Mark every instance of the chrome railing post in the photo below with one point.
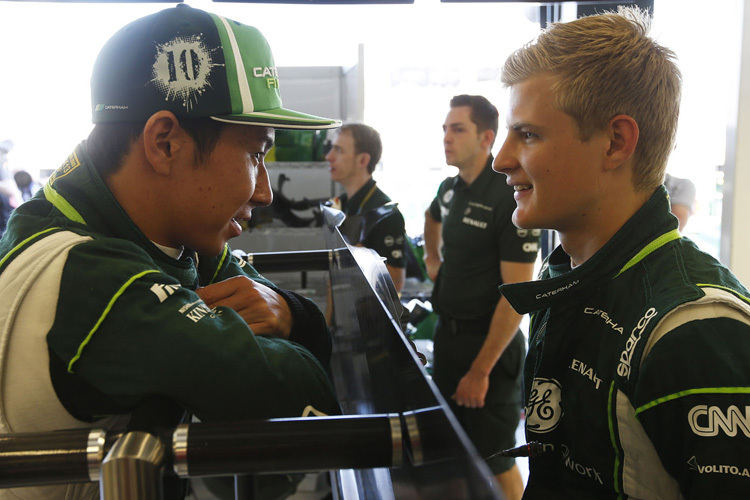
(132, 470)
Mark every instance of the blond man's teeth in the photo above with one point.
(521, 187)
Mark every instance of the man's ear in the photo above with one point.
(163, 138)
(623, 137)
(363, 159)
(487, 138)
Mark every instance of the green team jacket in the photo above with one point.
(637, 379)
(122, 321)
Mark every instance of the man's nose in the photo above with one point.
(504, 160)
(263, 194)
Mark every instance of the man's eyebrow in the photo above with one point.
(452, 125)
(519, 125)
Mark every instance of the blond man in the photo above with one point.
(637, 381)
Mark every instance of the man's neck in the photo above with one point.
(583, 242)
(353, 185)
(470, 171)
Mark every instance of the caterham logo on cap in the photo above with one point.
(103, 107)
(182, 69)
(263, 72)
(271, 74)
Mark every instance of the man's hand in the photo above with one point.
(472, 389)
(265, 311)
(432, 263)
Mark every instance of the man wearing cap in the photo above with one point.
(472, 247)
(355, 152)
(116, 281)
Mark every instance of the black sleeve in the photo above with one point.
(435, 210)
(388, 239)
(309, 328)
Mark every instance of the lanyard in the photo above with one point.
(366, 198)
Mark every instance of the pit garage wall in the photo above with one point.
(735, 224)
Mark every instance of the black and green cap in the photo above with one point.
(194, 64)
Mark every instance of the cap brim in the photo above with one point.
(281, 118)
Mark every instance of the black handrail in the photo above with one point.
(301, 260)
(69, 456)
(204, 449)
(288, 445)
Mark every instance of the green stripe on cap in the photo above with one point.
(251, 74)
(253, 81)
(228, 46)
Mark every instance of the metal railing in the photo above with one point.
(130, 465)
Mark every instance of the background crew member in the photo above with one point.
(478, 346)
(355, 152)
(637, 379)
(116, 281)
(681, 197)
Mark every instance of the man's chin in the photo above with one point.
(522, 220)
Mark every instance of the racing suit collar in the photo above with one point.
(649, 228)
(77, 190)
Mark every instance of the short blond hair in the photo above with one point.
(603, 66)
